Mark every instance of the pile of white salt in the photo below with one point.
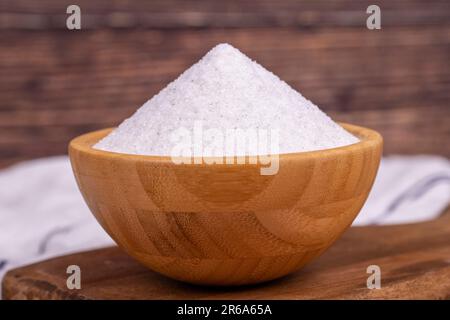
(224, 90)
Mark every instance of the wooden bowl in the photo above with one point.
(226, 224)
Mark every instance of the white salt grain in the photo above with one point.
(225, 90)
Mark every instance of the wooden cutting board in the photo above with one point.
(414, 261)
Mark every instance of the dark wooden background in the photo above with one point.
(56, 84)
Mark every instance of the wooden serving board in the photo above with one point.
(414, 261)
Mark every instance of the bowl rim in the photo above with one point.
(369, 139)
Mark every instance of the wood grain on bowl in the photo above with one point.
(166, 216)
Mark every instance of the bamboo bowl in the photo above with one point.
(226, 224)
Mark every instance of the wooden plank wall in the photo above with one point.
(56, 84)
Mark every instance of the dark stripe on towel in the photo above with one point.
(48, 237)
(416, 191)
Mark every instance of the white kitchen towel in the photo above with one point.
(43, 215)
(407, 189)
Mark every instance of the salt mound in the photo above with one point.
(226, 90)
